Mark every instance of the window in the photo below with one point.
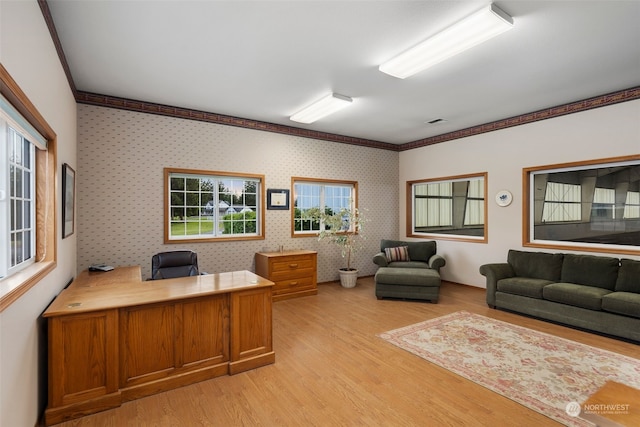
(603, 207)
(328, 195)
(17, 197)
(447, 208)
(591, 206)
(28, 200)
(632, 205)
(203, 205)
(561, 203)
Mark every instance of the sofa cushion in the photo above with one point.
(590, 270)
(628, 276)
(418, 251)
(524, 286)
(627, 303)
(577, 295)
(537, 265)
(399, 253)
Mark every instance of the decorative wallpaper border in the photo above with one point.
(547, 113)
(203, 116)
(185, 113)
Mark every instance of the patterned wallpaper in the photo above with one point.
(121, 156)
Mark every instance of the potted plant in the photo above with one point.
(343, 228)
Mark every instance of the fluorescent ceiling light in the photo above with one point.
(321, 108)
(486, 23)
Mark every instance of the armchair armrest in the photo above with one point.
(380, 259)
(437, 262)
(493, 273)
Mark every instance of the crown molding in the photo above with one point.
(547, 113)
(203, 116)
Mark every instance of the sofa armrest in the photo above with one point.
(380, 259)
(493, 273)
(437, 262)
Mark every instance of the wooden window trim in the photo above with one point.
(458, 238)
(16, 285)
(527, 202)
(295, 179)
(262, 195)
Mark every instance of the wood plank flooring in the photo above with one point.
(332, 370)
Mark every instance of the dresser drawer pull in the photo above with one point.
(293, 283)
(293, 265)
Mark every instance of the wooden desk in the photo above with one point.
(613, 405)
(114, 338)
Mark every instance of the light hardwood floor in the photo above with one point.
(332, 370)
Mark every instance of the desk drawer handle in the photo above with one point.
(293, 265)
(293, 283)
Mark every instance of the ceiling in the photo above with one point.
(264, 60)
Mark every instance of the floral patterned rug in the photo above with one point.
(545, 373)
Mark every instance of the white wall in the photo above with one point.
(28, 54)
(599, 133)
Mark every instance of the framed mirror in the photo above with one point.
(448, 208)
(591, 205)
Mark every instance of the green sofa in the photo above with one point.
(596, 293)
(417, 277)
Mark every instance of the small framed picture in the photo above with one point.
(278, 199)
(68, 200)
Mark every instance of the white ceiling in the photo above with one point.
(265, 60)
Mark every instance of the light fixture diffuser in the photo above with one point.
(482, 25)
(321, 108)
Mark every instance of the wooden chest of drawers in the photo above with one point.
(293, 272)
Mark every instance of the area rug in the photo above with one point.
(540, 371)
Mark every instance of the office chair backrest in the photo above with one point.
(167, 265)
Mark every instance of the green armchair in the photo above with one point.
(408, 270)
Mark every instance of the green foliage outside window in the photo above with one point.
(239, 223)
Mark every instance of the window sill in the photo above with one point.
(13, 287)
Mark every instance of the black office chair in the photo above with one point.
(167, 265)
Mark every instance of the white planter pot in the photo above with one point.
(348, 279)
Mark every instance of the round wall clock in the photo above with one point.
(504, 198)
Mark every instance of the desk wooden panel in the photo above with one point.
(114, 338)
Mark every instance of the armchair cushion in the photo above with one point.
(399, 253)
(408, 264)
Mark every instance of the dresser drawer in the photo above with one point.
(296, 285)
(292, 263)
(293, 272)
